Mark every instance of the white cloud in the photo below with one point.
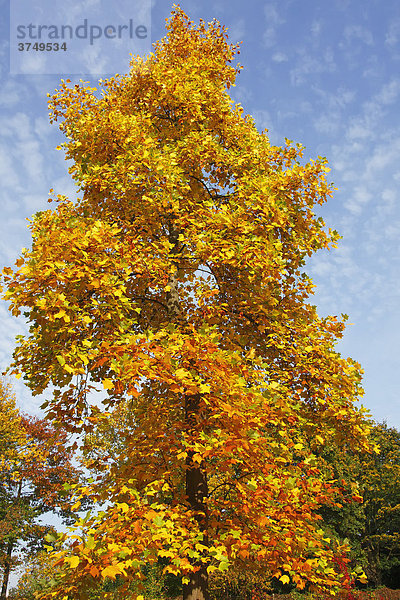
(333, 105)
(8, 174)
(393, 34)
(382, 156)
(310, 64)
(361, 279)
(42, 128)
(353, 46)
(4, 49)
(25, 151)
(272, 14)
(316, 28)
(358, 32)
(32, 203)
(389, 93)
(358, 131)
(279, 57)
(33, 63)
(273, 17)
(360, 197)
(11, 92)
(237, 31)
(93, 60)
(264, 121)
(372, 67)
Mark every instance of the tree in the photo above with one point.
(367, 512)
(379, 482)
(37, 574)
(11, 441)
(345, 519)
(40, 574)
(35, 463)
(176, 284)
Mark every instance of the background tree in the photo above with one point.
(35, 464)
(38, 572)
(176, 283)
(379, 481)
(366, 513)
(345, 518)
(12, 440)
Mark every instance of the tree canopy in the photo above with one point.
(34, 465)
(174, 285)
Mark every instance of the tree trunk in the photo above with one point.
(196, 492)
(7, 569)
(195, 475)
(197, 589)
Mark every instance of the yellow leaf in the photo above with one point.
(90, 542)
(166, 553)
(111, 571)
(204, 388)
(376, 448)
(107, 384)
(200, 547)
(182, 373)
(73, 561)
(60, 359)
(83, 358)
(284, 579)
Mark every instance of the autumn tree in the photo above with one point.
(38, 572)
(34, 465)
(175, 284)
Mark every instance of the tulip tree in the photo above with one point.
(174, 286)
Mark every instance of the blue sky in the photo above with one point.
(325, 74)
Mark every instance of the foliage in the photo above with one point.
(38, 573)
(35, 463)
(345, 518)
(366, 513)
(175, 287)
(379, 479)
